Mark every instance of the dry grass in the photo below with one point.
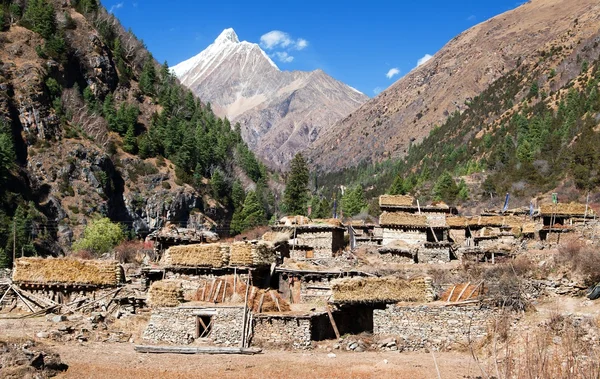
(372, 289)
(403, 219)
(276, 237)
(206, 255)
(396, 200)
(251, 254)
(66, 271)
(165, 293)
(564, 209)
(580, 260)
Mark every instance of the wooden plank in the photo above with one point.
(275, 300)
(196, 350)
(335, 329)
(243, 342)
(217, 292)
(463, 291)
(260, 303)
(204, 290)
(473, 291)
(224, 291)
(22, 299)
(451, 293)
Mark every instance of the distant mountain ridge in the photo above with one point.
(280, 112)
(405, 113)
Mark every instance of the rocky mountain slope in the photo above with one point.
(88, 128)
(280, 112)
(405, 113)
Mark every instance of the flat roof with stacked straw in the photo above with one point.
(380, 290)
(566, 209)
(403, 219)
(66, 271)
(259, 253)
(396, 201)
(165, 293)
(213, 255)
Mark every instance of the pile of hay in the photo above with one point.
(165, 293)
(271, 301)
(403, 219)
(530, 228)
(396, 200)
(205, 255)
(328, 221)
(259, 253)
(294, 220)
(457, 222)
(564, 209)
(379, 290)
(66, 271)
(276, 237)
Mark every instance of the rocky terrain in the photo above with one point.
(280, 112)
(405, 113)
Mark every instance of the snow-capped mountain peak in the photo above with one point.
(227, 35)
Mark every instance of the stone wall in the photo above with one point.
(411, 237)
(324, 243)
(420, 326)
(433, 254)
(398, 256)
(178, 325)
(315, 290)
(281, 331)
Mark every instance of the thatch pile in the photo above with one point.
(259, 253)
(261, 301)
(66, 271)
(379, 290)
(205, 255)
(276, 237)
(457, 222)
(294, 220)
(328, 221)
(165, 293)
(530, 228)
(564, 209)
(396, 200)
(403, 219)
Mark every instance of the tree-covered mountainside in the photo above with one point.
(91, 126)
(534, 130)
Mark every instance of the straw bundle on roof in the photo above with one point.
(276, 237)
(328, 221)
(402, 219)
(457, 222)
(386, 289)
(564, 209)
(396, 200)
(207, 255)
(259, 253)
(267, 301)
(165, 293)
(294, 220)
(66, 271)
(530, 228)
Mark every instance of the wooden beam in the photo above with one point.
(451, 293)
(473, 291)
(216, 296)
(21, 297)
(224, 291)
(260, 303)
(335, 329)
(463, 291)
(275, 300)
(196, 350)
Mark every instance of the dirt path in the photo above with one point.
(97, 360)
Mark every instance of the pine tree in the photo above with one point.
(39, 17)
(148, 77)
(129, 141)
(353, 201)
(238, 195)
(295, 195)
(7, 153)
(398, 187)
(253, 213)
(445, 188)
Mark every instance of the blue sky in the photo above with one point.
(366, 44)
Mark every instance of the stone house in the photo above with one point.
(364, 234)
(313, 239)
(560, 219)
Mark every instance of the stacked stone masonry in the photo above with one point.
(273, 331)
(421, 326)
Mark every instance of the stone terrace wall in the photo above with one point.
(275, 331)
(315, 291)
(419, 326)
(437, 254)
(410, 236)
(178, 325)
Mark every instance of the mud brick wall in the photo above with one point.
(433, 254)
(282, 332)
(419, 326)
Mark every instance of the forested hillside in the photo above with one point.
(91, 125)
(532, 131)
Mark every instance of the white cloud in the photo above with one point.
(376, 90)
(301, 43)
(283, 57)
(392, 72)
(423, 60)
(278, 39)
(115, 7)
(471, 17)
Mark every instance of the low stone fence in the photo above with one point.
(178, 325)
(434, 325)
(282, 331)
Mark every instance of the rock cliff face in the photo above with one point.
(406, 112)
(70, 166)
(280, 112)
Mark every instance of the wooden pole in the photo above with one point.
(335, 329)
(216, 296)
(235, 280)
(245, 310)
(22, 299)
(14, 242)
(463, 291)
